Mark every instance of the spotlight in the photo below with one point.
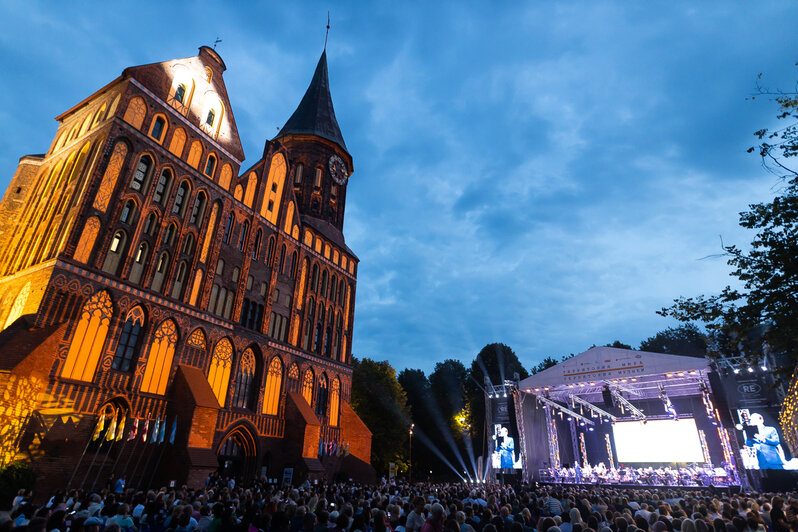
(750, 369)
(590, 429)
(736, 371)
(505, 395)
(764, 367)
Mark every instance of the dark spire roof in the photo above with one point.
(315, 114)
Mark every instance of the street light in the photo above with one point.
(410, 467)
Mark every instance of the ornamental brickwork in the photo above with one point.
(145, 287)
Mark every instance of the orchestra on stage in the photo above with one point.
(693, 475)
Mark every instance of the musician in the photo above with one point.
(767, 444)
(506, 449)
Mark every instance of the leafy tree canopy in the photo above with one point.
(763, 314)
(682, 340)
(380, 402)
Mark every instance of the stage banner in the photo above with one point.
(754, 407)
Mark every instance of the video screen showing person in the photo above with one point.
(504, 455)
(761, 437)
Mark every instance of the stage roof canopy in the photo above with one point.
(610, 363)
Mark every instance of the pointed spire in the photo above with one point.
(315, 114)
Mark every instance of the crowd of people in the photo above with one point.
(224, 506)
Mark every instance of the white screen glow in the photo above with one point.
(657, 441)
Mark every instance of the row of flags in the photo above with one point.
(333, 448)
(153, 430)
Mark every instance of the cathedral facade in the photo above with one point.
(166, 313)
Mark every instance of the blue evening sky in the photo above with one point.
(546, 174)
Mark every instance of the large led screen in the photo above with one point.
(663, 440)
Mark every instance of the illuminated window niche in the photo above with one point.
(86, 242)
(321, 397)
(335, 402)
(219, 370)
(110, 176)
(159, 361)
(270, 206)
(271, 392)
(181, 92)
(89, 338)
(210, 165)
(136, 112)
(178, 142)
(293, 378)
(307, 386)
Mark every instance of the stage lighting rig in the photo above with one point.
(636, 412)
(562, 409)
(592, 407)
(669, 408)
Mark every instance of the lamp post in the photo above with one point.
(410, 467)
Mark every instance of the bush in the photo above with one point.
(13, 477)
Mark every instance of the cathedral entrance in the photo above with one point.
(238, 454)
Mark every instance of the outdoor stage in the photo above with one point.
(608, 410)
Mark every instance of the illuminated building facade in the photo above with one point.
(146, 277)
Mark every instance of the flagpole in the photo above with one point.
(107, 454)
(157, 463)
(135, 446)
(144, 432)
(91, 465)
(86, 448)
(124, 442)
(155, 434)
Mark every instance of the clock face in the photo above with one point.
(338, 170)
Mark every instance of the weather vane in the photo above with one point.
(328, 30)
(218, 40)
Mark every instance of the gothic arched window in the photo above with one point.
(159, 362)
(89, 338)
(114, 256)
(198, 210)
(245, 380)
(256, 248)
(125, 354)
(335, 402)
(321, 397)
(141, 177)
(162, 187)
(307, 386)
(181, 198)
(228, 228)
(271, 392)
(219, 370)
(242, 240)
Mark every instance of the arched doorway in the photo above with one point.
(238, 454)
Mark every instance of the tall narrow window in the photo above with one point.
(271, 392)
(298, 175)
(163, 186)
(228, 228)
(270, 252)
(314, 278)
(86, 243)
(307, 386)
(317, 181)
(256, 247)
(188, 244)
(210, 117)
(281, 263)
(180, 93)
(319, 329)
(292, 265)
(210, 165)
(157, 128)
(219, 370)
(139, 263)
(245, 381)
(114, 256)
(170, 235)
(128, 215)
(125, 354)
(242, 239)
(198, 210)
(181, 198)
(88, 339)
(160, 271)
(328, 333)
(151, 224)
(142, 174)
(335, 402)
(180, 280)
(324, 277)
(159, 361)
(321, 397)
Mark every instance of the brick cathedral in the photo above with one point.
(150, 285)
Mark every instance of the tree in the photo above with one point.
(546, 363)
(417, 390)
(446, 383)
(380, 402)
(682, 340)
(764, 313)
(619, 345)
(496, 361)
